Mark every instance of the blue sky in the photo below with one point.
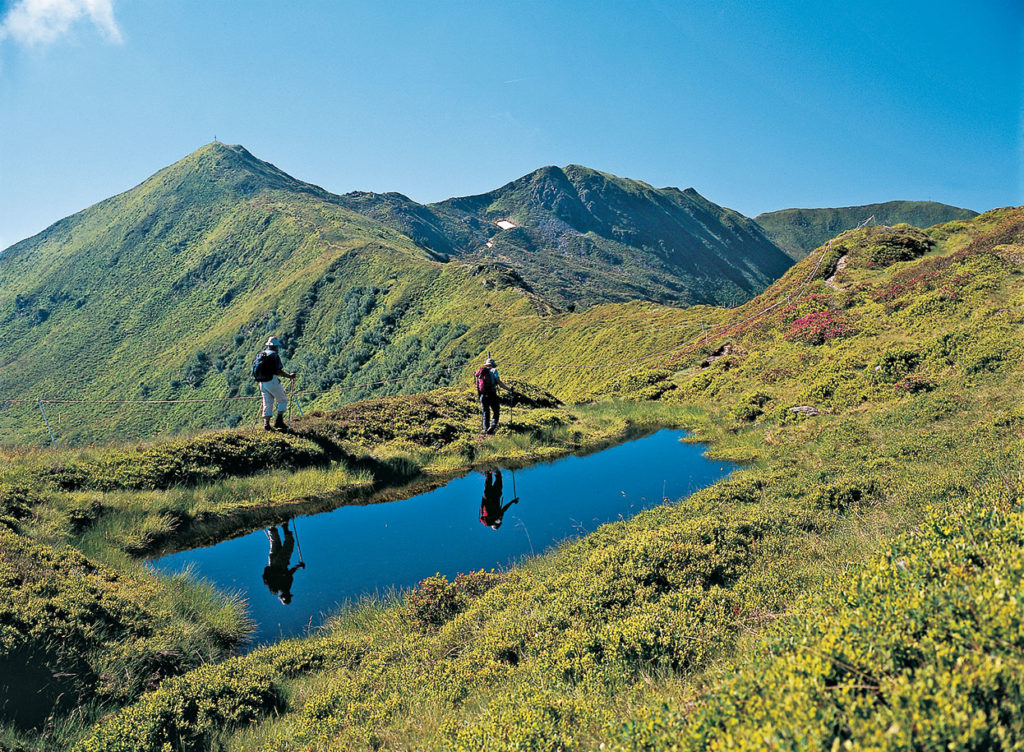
(759, 106)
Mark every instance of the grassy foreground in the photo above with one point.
(85, 627)
(857, 586)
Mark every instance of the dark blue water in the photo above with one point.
(359, 550)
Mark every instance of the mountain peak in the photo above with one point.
(567, 229)
(217, 153)
(233, 166)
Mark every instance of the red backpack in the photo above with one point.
(484, 381)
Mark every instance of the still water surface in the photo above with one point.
(470, 523)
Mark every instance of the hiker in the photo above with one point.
(265, 369)
(487, 383)
(277, 575)
(491, 510)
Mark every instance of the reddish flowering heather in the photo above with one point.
(806, 305)
(893, 295)
(819, 328)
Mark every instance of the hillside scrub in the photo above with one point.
(75, 634)
(679, 626)
(921, 649)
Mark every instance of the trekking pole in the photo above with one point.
(46, 421)
(297, 403)
(256, 418)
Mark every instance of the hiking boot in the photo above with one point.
(266, 426)
(279, 423)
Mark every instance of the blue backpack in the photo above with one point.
(263, 367)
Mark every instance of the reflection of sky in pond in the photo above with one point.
(358, 550)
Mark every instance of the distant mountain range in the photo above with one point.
(165, 291)
(800, 231)
(578, 237)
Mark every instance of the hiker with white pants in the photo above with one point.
(266, 369)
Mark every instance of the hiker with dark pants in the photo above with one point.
(265, 369)
(487, 383)
(277, 575)
(491, 510)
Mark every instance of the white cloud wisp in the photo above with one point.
(35, 22)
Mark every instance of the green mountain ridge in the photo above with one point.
(164, 292)
(798, 231)
(579, 236)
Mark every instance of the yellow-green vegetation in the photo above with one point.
(920, 649)
(76, 635)
(81, 636)
(857, 585)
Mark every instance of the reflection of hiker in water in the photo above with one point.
(491, 510)
(277, 576)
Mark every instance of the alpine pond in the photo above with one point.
(294, 574)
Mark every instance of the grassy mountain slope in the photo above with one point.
(429, 228)
(166, 292)
(798, 231)
(678, 627)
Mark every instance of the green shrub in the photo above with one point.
(73, 633)
(896, 363)
(435, 600)
(843, 496)
(888, 245)
(751, 406)
(186, 710)
(17, 502)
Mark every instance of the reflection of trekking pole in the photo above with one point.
(298, 545)
(515, 496)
